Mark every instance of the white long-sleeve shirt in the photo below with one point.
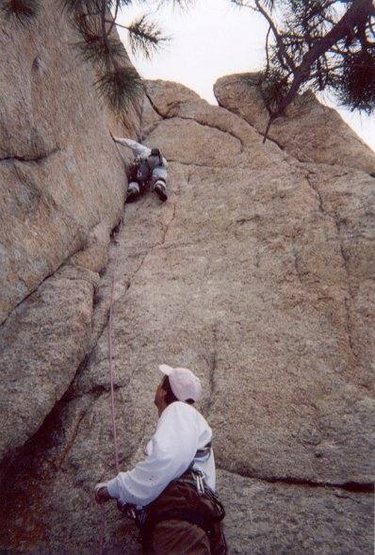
(180, 432)
(141, 152)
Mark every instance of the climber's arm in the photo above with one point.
(138, 149)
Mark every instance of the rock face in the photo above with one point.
(255, 274)
(61, 192)
(310, 131)
(56, 153)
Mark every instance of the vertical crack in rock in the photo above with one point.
(316, 191)
(348, 301)
(344, 255)
(59, 461)
(257, 259)
(165, 229)
(189, 176)
(336, 220)
(349, 328)
(132, 277)
(212, 367)
(297, 265)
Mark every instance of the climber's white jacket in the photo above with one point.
(181, 431)
(142, 152)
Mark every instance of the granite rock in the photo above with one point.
(60, 174)
(256, 274)
(310, 131)
(62, 188)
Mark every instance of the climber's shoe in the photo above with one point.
(161, 190)
(132, 196)
(133, 192)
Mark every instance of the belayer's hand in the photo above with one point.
(101, 493)
(127, 510)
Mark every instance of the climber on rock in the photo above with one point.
(172, 489)
(148, 171)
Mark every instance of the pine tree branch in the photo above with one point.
(113, 22)
(120, 87)
(358, 11)
(103, 11)
(320, 47)
(279, 42)
(267, 50)
(117, 24)
(145, 36)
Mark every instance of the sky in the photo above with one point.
(212, 39)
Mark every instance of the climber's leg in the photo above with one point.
(159, 183)
(161, 190)
(133, 192)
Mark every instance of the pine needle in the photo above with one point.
(145, 36)
(356, 89)
(22, 11)
(119, 88)
(102, 51)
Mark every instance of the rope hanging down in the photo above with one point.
(112, 373)
(110, 346)
(103, 528)
(111, 365)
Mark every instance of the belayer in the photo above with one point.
(171, 491)
(148, 171)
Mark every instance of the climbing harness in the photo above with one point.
(189, 499)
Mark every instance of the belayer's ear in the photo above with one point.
(163, 392)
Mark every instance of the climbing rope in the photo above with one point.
(112, 380)
(110, 345)
(111, 365)
(103, 527)
(110, 348)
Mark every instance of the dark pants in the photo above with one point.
(180, 521)
(141, 174)
(177, 537)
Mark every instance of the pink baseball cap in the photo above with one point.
(184, 384)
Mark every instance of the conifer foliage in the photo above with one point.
(20, 10)
(96, 20)
(318, 44)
